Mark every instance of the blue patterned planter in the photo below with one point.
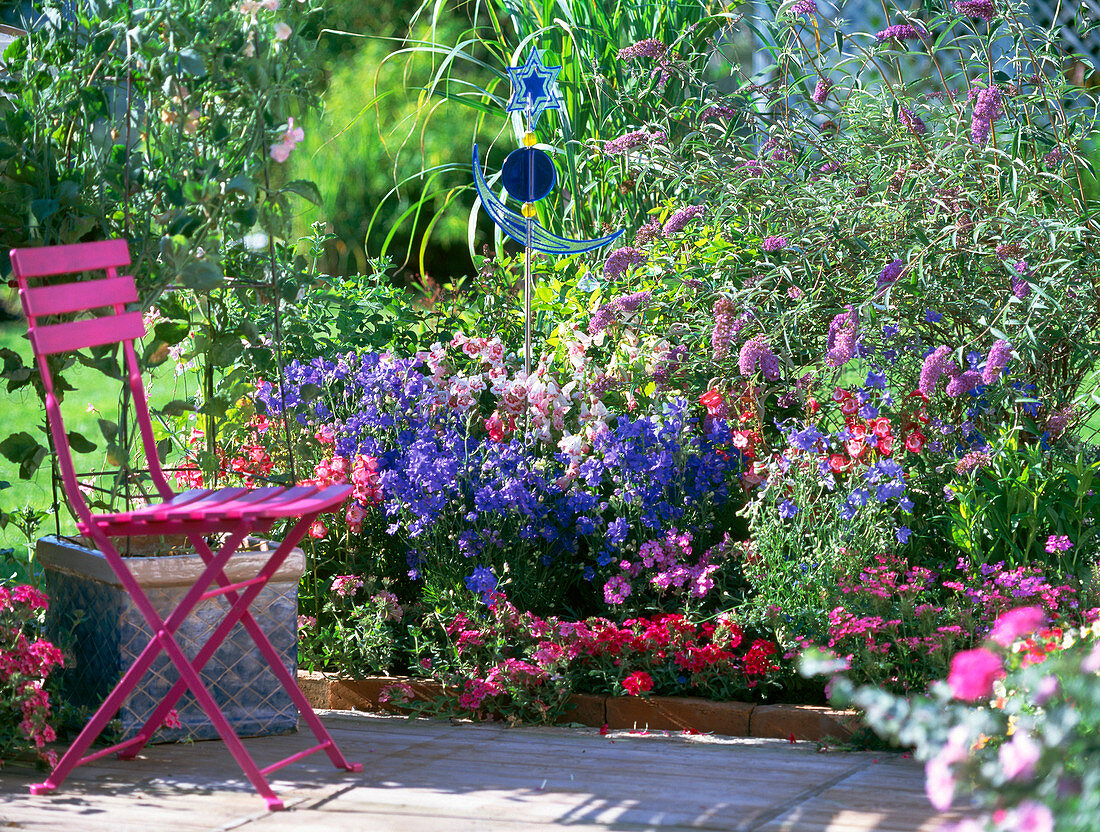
(96, 621)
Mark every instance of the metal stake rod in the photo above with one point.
(527, 261)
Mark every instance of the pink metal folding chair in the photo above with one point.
(235, 512)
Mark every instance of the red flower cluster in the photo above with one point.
(638, 682)
(25, 663)
(877, 434)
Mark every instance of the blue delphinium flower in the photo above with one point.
(483, 581)
(903, 533)
(787, 509)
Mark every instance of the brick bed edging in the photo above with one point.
(671, 713)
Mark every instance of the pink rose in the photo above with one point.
(972, 674)
(1011, 625)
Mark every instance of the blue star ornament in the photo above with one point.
(534, 88)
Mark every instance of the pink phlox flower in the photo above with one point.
(346, 585)
(973, 672)
(1010, 625)
(1058, 543)
(291, 138)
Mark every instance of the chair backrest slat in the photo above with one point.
(92, 332)
(77, 297)
(113, 325)
(79, 257)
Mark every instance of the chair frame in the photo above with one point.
(235, 512)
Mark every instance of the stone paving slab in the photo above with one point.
(431, 776)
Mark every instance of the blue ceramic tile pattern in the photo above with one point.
(109, 633)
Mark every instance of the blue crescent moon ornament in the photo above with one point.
(517, 226)
(529, 175)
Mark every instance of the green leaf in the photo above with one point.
(164, 446)
(202, 275)
(305, 189)
(17, 446)
(172, 332)
(308, 392)
(108, 429)
(226, 350)
(241, 184)
(79, 443)
(24, 450)
(176, 407)
(44, 208)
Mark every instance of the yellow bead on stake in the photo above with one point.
(528, 209)
(529, 139)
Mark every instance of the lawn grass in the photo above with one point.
(96, 396)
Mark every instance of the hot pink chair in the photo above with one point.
(234, 512)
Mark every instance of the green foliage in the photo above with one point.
(1009, 510)
(160, 125)
(355, 634)
(389, 173)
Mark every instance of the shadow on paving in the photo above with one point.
(438, 777)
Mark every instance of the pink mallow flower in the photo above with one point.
(939, 782)
(972, 674)
(1029, 816)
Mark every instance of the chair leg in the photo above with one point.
(72, 757)
(163, 630)
(239, 609)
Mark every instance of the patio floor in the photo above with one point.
(432, 776)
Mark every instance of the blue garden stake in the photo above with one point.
(528, 174)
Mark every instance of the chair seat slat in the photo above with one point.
(306, 504)
(183, 498)
(93, 332)
(71, 259)
(76, 297)
(202, 507)
(232, 504)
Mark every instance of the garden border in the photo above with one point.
(813, 723)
